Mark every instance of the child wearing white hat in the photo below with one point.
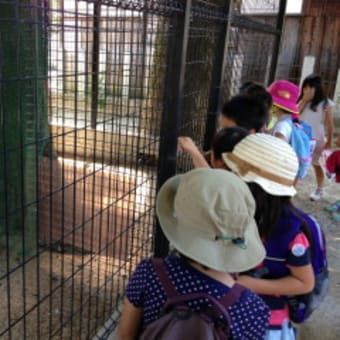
(208, 217)
(269, 166)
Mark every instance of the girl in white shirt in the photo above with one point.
(316, 110)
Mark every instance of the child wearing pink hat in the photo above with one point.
(285, 95)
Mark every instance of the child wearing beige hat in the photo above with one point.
(208, 217)
(269, 166)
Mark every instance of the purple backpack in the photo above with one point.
(302, 306)
(178, 321)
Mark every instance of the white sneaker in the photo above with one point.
(316, 195)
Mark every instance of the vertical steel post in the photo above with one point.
(277, 42)
(217, 88)
(95, 63)
(173, 102)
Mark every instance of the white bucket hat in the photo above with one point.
(266, 160)
(208, 216)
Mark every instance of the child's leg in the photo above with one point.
(319, 176)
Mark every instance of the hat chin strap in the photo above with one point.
(245, 167)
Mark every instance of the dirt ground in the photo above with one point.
(324, 324)
(72, 303)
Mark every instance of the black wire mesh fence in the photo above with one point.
(93, 97)
(253, 44)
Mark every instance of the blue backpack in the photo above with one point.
(302, 306)
(301, 142)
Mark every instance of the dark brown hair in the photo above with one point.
(226, 139)
(314, 81)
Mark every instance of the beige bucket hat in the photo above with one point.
(208, 216)
(266, 160)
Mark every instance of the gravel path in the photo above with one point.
(324, 324)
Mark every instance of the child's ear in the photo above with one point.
(219, 164)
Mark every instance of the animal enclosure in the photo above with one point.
(93, 95)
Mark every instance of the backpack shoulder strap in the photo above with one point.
(159, 266)
(232, 296)
(219, 306)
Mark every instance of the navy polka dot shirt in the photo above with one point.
(249, 315)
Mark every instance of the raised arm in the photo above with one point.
(187, 145)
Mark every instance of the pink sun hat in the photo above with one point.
(285, 95)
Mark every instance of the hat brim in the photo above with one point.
(269, 186)
(280, 103)
(202, 247)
